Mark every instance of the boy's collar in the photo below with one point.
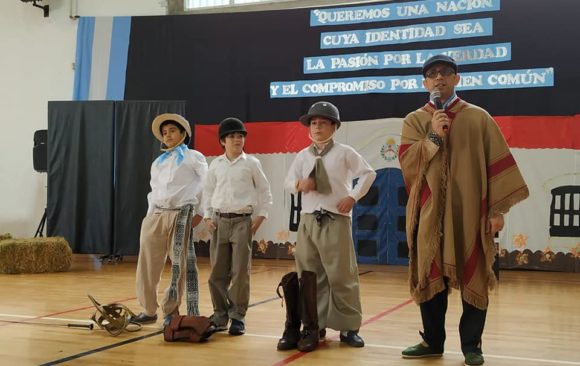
(241, 156)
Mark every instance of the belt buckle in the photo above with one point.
(319, 214)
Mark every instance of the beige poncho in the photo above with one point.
(453, 190)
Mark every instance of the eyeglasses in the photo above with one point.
(444, 71)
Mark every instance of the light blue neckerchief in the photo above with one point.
(179, 150)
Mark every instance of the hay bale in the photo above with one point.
(5, 236)
(35, 255)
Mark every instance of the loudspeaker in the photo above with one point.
(39, 159)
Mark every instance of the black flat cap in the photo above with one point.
(437, 59)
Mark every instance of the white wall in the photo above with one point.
(96, 8)
(36, 58)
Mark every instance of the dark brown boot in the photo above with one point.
(289, 284)
(309, 312)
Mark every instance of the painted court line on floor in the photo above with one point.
(100, 349)
(455, 353)
(128, 341)
(61, 321)
(46, 316)
(263, 301)
(487, 356)
(29, 318)
(368, 321)
(276, 337)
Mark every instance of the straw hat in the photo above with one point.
(158, 121)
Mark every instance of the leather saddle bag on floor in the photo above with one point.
(188, 329)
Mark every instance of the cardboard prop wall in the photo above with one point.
(517, 59)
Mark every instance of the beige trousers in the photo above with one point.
(156, 243)
(230, 254)
(328, 250)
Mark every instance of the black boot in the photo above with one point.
(309, 312)
(289, 284)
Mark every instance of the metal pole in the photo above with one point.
(89, 326)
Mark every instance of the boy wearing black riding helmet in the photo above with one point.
(236, 190)
(325, 258)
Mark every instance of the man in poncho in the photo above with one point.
(461, 179)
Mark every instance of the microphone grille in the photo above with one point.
(435, 93)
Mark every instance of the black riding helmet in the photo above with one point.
(231, 125)
(322, 109)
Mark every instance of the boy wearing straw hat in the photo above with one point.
(177, 178)
(236, 188)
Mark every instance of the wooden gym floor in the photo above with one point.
(533, 319)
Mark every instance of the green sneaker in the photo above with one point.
(421, 350)
(473, 359)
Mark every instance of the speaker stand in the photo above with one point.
(111, 259)
(40, 228)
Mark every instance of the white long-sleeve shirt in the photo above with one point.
(174, 185)
(238, 186)
(342, 164)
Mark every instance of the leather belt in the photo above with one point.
(232, 215)
(320, 214)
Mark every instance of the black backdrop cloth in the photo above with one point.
(222, 64)
(80, 174)
(99, 159)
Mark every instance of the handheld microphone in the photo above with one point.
(436, 98)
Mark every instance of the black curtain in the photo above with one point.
(136, 148)
(231, 58)
(99, 159)
(80, 174)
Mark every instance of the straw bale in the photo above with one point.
(35, 255)
(5, 236)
